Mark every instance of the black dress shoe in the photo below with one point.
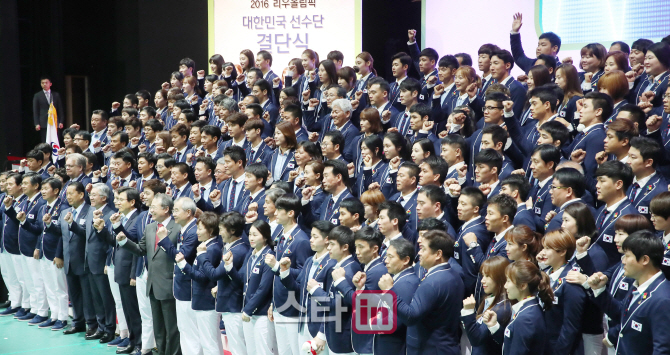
(73, 330)
(107, 337)
(91, 331)
(97, 335)
(125, 350)
(5, 304)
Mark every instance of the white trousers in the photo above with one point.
(188, 329)
(148, 340)
(209, 334)
(257, 336)
(116, 294)
(234, 333)
(55, 286)
(286, 330)
(11, 278)
(593, 344)
(33, 286)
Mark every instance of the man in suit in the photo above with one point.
(73, 256)
(335, 179)
(11, 253)
(262, 89)
(123, 266)
(502, 63)
(41, 102)
(180, 179)
(643, 327)
(432, 315)
(258, 151)
(431, 202)
(642, 158)
(400, 64)
(549, 43)
(229, 192)
(95, 257)
(517, 186)
(160, 268)
(543, 162)
(75, 167)
(567, 187)
(204, 167)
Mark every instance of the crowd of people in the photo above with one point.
(507, 216)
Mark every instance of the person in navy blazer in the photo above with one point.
(228, 193)
(657, 74)
(202, 300)
(228, 295)
(341, 121)
(424, 64)
(180, 179)
(255, 277)
(368, 242)
(50, 251)
(400, 65)
(566, 317)
(660, 218)
(648, 183)
(544, 160)
(75, 171)
(41, 103)
(257, 151)
(336, 331)
(293, 244)
(445, 94)
(493, 271)
(316, 267)
(406, 181)
(499, 220)
(96, 254)
(399, 258)
(262, 89)
(181, 146)
(410, 94)
(502, 63)
(517, 186)
(374, 168)
(124, 263)
(432, 316)
(643, 328)
(590, 141)
(470, 203)
(253, 195)
(335, 179)
(74, 256)
(187, 242)
(567, 187)
(283, 158)
(614, 178)
(526, 332)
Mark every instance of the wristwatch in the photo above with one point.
(473, 244)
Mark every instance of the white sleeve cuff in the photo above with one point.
(494, 328)
(196, 198)
(216, 202)
(310, 108)
(276, 267)
(586, 284)
(410, 43)
(181, 264)
(123, 242)
(630, 87)
(582, 255)
(321, 336)
(586, 86)
(509, 114)
(311, 291)
(467, 312)
(337, 282)
(304, 202)
(597, 292)
(228, 267)
(200, 253)
(284, 274)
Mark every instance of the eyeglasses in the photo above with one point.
(553, 187)
(490, 108)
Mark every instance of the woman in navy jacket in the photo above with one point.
(283, 158)
(374, 168)
(526, 331)
(202, 300)
(566, 317)
(493, 281)
(256, 277)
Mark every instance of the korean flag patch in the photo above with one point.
(623, 285)
(507, 332)
(608, 238)
(255, 270)
(290, 165)
(643, 209)
(538, 211)
(456, 255)
(334, 221)
(666, 261)
(555, 300)
(420, 97)
(637, 326)
(31, 216)
(365, 91)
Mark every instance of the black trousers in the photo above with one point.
(79, 291)
(131, 310)
(166, 332)
(103, 302)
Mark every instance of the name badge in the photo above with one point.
(508, 333)
(538, 211)
(31, 216)
(456, 255)
(608, 238)
(335, 221)
(82, 221)
(555, 300)
(637, 326)
(666, 261)
(643, 209)
(255, 270)
(623, 285)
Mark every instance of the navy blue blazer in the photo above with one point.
(395, 343)
(269, 126)
(441, 110)
(262, 155)
(565, 317)
(202, 299)
(85, 180)
(412, 220)
(134, 232)
(187, 244)
(31, 229)
(225, 144)
(524, 217)
(592, 142)
(433, 315)
(295, 247)
(368, 176)
(518, 95)
(541, 202)
(470, 267)
(243, 204)
(330, 299)
(50, 242)
(495, 248)
(362, 343)
(289, 164)
(181, 158)
(322, 213)
(299, 284)
(606, 230)
(394, 96)
(646, 193)
(525, 333)
(557, 220)
(74, 244)
(479, 334)
(229, 295)
(643, 325)
(255, 277)
(658, 87)
(185, 192)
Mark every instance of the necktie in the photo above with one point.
(157, 228)
(633, 192)
(48, 93)
(443, 98)
(122, 182)
(631, 298)
(329, 210)
(403, 131)
(383, 250)
(604, 217)
(124, 220)
(231, 202)
(246, 206)
(202, 193)
(178, 155)
(401, 200)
